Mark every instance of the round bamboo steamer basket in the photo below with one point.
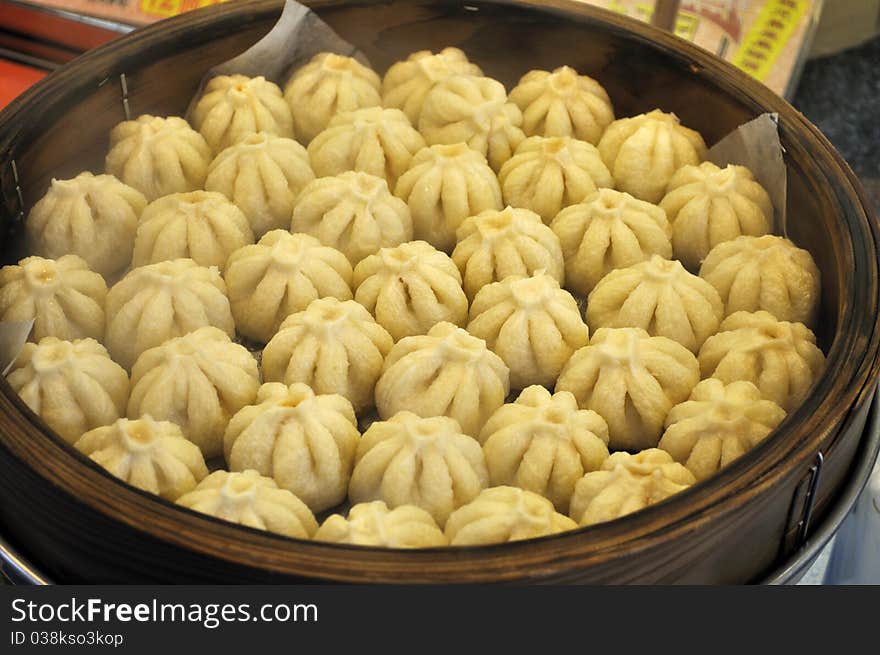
(81, 525)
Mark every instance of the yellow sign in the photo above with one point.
(766, 39)
(162, 8)
(166, 8)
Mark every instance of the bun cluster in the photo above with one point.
(416, 310)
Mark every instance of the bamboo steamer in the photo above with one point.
(81, 525)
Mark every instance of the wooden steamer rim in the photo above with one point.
(848, 384)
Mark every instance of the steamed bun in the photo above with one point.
(373, 140)
(150, 455)
(544, 443)
(353, 212)
(643, 152)
(718, 424)
(92, 216)
(262, 175)
(504, 514)
(494, 245)
(333, 346)
(411, 288)
(531, 323)
(426, 462)
(443, 185)
(626, 484)
(73, 386)
(197, 381)
(305, 442)
(659, 296)
(64, 298)
(158, 156)
(778, 357)
(708, 205)
(161, 301)
(252, 500)
(328, 85)
(373, 524)
(765, 273)
(632, 380)
(232, 107)
(200, 225)
(280, 276)
(608, 230)
(447, 372)
(407, 83)
(563, 103)
(473, 110)
(549, 173)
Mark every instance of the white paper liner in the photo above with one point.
(756, 146)
(298, 36)
(13, 336)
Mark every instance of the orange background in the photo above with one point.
(15, 78)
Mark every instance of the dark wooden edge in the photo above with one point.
(787, 455)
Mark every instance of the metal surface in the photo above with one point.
(20, 214)
(123, 86)
(107, 24)
(806, 517)
(17, 570)
(855, 556)
(801, 560)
